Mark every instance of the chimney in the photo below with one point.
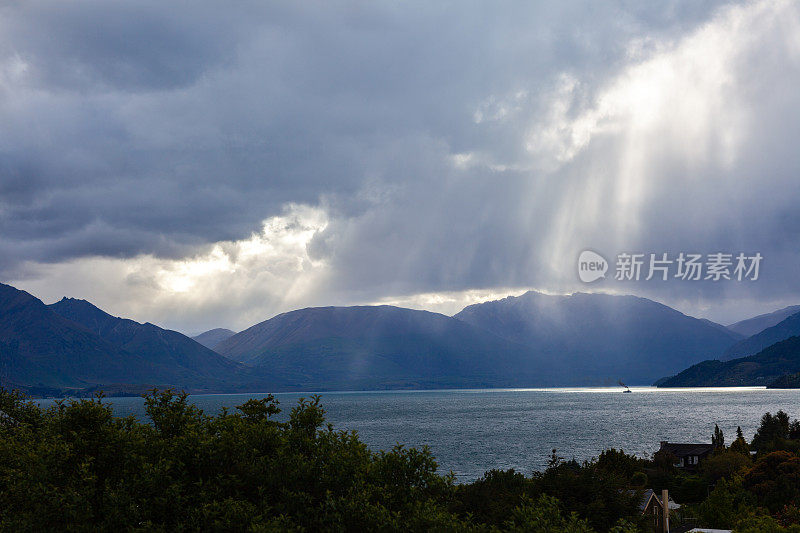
(665, 509)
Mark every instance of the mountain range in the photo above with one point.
(534, 339)
(74, 346)
(771, 364)
(765, 358)
(751, 326)
(383, 346)
(788, 327)
(157, 345)
(531, 340)
(599, 338)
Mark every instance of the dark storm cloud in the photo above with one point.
(712, 170)
(453, 145)
(127, 46)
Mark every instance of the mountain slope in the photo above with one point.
(733, 334)
(147, 340)
(757, 324)
(212, 337)
(788, 327)
(762, 368)
(594, 337)
(41, 348)
(382, 346)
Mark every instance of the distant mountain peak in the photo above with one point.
(788, 327)
(757, 324)
(41, 347)
(211, 338)
(148, 340)
(83, 312)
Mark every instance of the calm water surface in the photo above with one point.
(471, 431)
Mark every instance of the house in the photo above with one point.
(651, 506)
(688, 455)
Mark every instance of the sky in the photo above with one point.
(208, 164)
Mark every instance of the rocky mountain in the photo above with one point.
(161, 346)
(72, 347)
(591, 338)
(757, 324)
(212, 337)
(39, 347)
(788, 327)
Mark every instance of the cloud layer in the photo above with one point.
(206, 166)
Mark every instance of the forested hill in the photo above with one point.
(760, 369)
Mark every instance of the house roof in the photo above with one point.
(649, 494)
(683, 450)
(645, 499)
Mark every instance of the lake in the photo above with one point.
(471, 431)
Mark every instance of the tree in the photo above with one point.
(772, 430)
(596, 494)
(724, 504)
(759, 522)
(775, 480)
(740, 445)
(544, 516)
(794, 430)
(492, 498)
(665, 460)
(718, 440)
(639, 480)
(76, 467)
(725, 464)
(618, 461)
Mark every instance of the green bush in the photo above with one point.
(75, 467)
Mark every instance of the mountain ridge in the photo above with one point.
(148, 340)
(528, 340)
(751, 326)
(386, 343)
(786, 328)
(763, 368)
(39, 347)
(603, 334)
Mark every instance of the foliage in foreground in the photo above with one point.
(75, 467)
